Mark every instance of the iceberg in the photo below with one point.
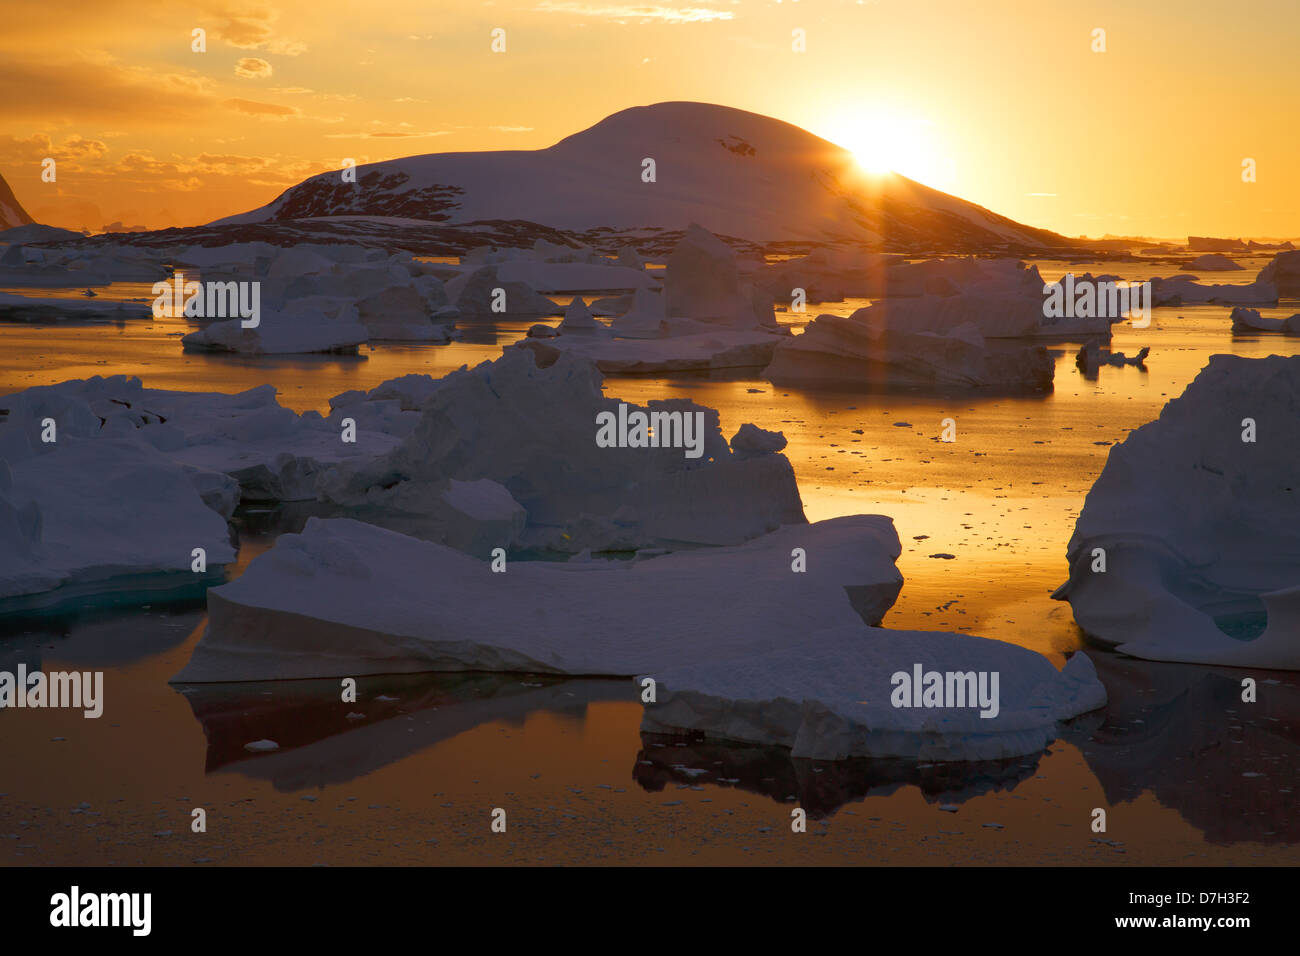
(345, 598)
(1212, 262)
(302, 326)
(532, 428)
(867, 350)
(1249, 320)
(1188, 544)
(1283, 272)
(831, 696)
(83, 518)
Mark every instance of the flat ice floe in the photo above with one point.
(1185, 290)
(869, 349)
(37, 308)
(830, 694)
(345, 598)
(102, 516)
(702, 351)
(1195, 520)
(1249, 320)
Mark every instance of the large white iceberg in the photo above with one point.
(345, 598)
(533, 429)
(1189, 541)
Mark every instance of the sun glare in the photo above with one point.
(883, 143)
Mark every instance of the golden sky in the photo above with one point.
(1001, 102)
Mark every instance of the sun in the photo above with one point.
(884, 142)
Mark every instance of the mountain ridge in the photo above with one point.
(736, 173)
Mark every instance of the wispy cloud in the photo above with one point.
(642, 13)
(252, 68)
(268, 110)
(387, 134)
(256, 31)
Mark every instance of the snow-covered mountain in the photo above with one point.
(736, 173)
(11, 211)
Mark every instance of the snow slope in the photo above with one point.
(736, 173)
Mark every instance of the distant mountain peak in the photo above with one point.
(12, 212)
(655, 169)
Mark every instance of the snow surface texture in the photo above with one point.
(826, 696)
(716, 165)
(72, 513)
(1197, 524)
(345, 598)
(532, 429)
(273, 453)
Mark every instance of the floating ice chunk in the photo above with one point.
(1212, 262)
(644, 318)
(629, 258)
(1179, 290)
(1189, 524)
(32, 308)
(314, 324)
(578, 318)
(869, 350)
(346, 598)
(706, 351)
(1249, 320)
(830, 695)
(573, 276)
(103, 515)
(475, 293)
(703, 282)
(533, 429)
(1283, 272)
(271, 451)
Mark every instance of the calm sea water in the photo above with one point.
(414, 779)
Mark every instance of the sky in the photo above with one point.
(1006, 103)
